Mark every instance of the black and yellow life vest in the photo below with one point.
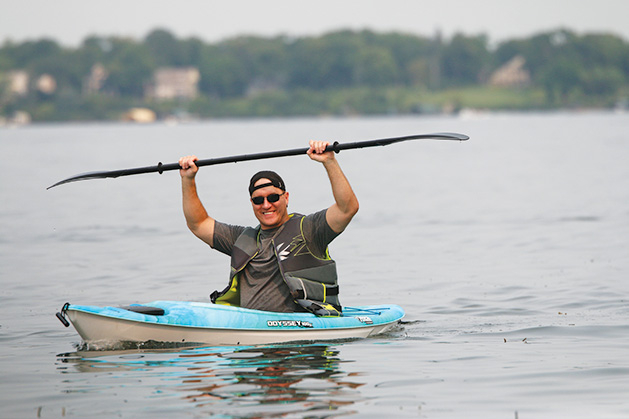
(312, 280)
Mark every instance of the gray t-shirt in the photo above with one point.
(261, 284)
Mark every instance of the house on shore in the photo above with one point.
(512, 74)
(174, 83)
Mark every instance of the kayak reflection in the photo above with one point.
(238, 381)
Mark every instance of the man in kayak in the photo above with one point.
(282, 265)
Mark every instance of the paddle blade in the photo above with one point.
(76, 178)
(451, 136)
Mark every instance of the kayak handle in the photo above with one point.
(62, 315)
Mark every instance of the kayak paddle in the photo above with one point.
(336, 147)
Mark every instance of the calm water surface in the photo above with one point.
(509, 252)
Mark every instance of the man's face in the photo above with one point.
(270, 214)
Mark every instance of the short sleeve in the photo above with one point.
(225, 236)
(318, 233)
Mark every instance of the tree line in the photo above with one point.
(567, 67)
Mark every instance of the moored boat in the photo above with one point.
(184, 322)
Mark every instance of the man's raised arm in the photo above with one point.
(346, 205)
(199, 222)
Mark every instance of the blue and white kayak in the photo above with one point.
(215, 324)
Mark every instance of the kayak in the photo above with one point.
(185, 322)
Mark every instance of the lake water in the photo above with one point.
(509, 253)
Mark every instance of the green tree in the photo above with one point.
(7, 62)
(325, 62)
(602, 81)
(559, 79)
(375, 66)
(30, 53)
(603, 49)
(406, 51)
(464, 59)
(260, 57)
(222, 75)
(192, 51)
(130, 66)
(94, 50)
(164, 48)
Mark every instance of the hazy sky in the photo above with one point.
(70, 21)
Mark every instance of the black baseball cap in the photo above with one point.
(274, 180)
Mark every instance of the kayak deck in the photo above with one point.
(214, 324)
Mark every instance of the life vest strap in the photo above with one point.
(329, 291)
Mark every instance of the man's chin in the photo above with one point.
(267, 221)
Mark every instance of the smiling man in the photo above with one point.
(283, 264)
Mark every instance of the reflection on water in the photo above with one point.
(234, 381)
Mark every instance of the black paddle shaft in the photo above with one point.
(336, 147)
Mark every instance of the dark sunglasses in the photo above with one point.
(259, 200)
